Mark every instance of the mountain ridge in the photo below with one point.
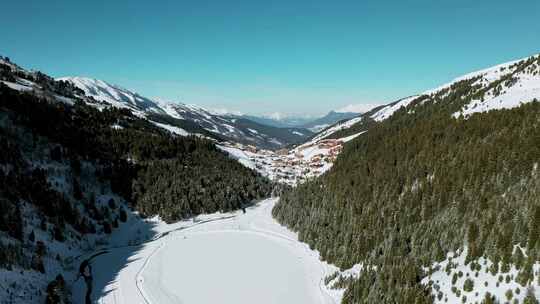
(314, 124)
(508, 85)
(220, 127)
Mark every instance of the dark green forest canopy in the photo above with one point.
(421, 184)
(172, 176)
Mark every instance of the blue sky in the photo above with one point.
(299, 57)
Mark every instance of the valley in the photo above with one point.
(432, 198)
(293, 166)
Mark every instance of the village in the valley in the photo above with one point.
(290, 166)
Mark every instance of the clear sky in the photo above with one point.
(301, 57)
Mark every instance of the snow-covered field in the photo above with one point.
(219, 258)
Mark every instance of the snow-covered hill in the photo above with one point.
(516, 82)
(333, 129)
(182, 118)
(503, 86)
(114, 95)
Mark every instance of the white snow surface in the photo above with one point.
(172, 129)
(253, 131)
(218, 258)
(387, 111)
(308, 153)
(312, 148)
(351, 137)
(112, 94)
(17, 86)
(170, 108)
(525, 89)
(443, 281)
(490, 74)
(244, 157)
(338, 127)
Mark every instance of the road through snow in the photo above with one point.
(248, 258)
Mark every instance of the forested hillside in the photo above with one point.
(68, 173)
(133, 149)
(424, 183)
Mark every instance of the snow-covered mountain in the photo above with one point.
(114, 95)
(503, 86)
(185, 119)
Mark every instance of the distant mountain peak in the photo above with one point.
(113, 94)
(188, 118)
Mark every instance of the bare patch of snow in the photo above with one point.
(172, 129)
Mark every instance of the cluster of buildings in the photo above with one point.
(295, 165)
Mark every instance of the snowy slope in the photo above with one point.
(20, 285)
(445, 290)
(244, 157)
(522, 86)
(178, 115)
(387, 111)
(18, 83)
(489, 74)
(337, 127)
(113, 95)
(507, 85)
(174, 130)
(378, 114)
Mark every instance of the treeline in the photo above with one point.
(180, 188)
(421, 184)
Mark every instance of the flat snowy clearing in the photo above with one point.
(224, 258)
(228, 267)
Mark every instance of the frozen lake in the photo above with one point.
(228, 267)
(232, 258)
